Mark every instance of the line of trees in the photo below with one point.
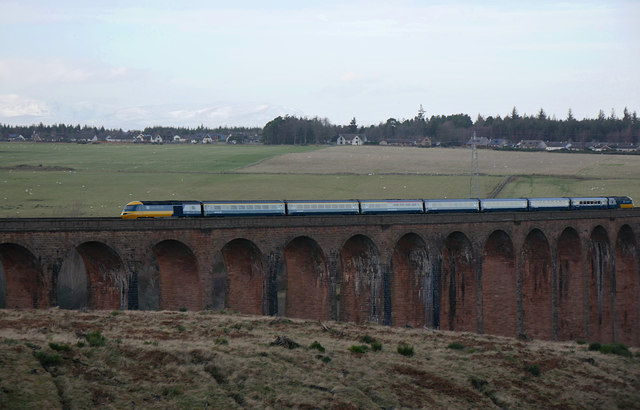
(610, 129)
(453, 129)
(63, 132)
(458, 128)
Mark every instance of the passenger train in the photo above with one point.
(199, 209)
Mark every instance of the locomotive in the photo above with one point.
(205, 209)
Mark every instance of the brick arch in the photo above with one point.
(22, 283)
(307, 280)
(93, 276)
(178, 278)
(536, 286)
(361, 287)
(627, 288)
(412, 281)
(600, 286)
(458, 304)
(571, 323)
(499, 285)
(245, 276)
(218, 289)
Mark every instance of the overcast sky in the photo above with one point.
(129, 64)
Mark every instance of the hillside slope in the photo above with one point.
(122, 359)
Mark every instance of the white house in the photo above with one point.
(557, 146)
(356, 141)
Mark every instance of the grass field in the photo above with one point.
(52, 359)
(58, 180)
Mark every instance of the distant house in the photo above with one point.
(350, 139)
(600, 147)
(532, 144)
(481, 142)
(157, 139)
(425, 142)
(497, 143)
(398, 142)
(625, 147)
(557, 145)
(207, 140)
(357, 141)
(577, 146)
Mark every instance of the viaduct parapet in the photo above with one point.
(545, 275)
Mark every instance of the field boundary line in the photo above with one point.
(496, 191)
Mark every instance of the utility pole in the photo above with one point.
(474, 184)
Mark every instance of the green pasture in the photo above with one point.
(90, 193)
(62, 180)
(530, 186)
(135, 158)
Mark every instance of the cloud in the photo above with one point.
(181, 115)
(34, 71)
(13, 105)
(230, 114)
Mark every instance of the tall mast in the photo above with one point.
(474, 184)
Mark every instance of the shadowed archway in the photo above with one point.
(499, 285)
(600, 286)
(245, 277)
(179, 281)
(92, 276)
(307, 287)
(536, 286)
(361, 288)
(22, 284)
(627, 288)
(412, 290)
(458, 303)
(571, 319)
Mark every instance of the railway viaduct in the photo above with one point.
(547, 275)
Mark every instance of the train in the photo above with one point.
(206, 209)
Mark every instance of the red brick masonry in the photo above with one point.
(547, 275)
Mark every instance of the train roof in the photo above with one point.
(390, 200)
(275, 201)
(323, 201)
(168, 202)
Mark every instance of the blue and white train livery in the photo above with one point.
(198, 209)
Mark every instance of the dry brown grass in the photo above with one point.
(446, 161)
(172, 360)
